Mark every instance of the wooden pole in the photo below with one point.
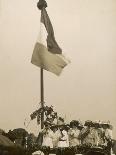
(40, 5)
(42, 96)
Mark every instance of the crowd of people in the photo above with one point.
(67, 135)
(60, 135)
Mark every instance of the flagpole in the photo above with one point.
(42, 95)
(40, 5)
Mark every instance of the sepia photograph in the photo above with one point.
(58, 77)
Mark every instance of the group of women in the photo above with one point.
(63, 135)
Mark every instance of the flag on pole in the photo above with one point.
(47, 54)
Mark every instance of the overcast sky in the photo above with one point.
(86, 31)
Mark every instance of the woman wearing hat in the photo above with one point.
(107, 132)
(85, 131)
(74, 133)
(99, 130)
(63, 139)
(47, 135)
(56, 135)
(88, 135)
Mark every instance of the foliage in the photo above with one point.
(49, 113)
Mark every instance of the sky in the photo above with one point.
(86, 89)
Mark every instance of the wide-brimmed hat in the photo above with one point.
(104, 123)
(88, 123)
(107, 124)
(74, 123)
(96, 124)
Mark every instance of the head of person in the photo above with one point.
(74, 124)
(61, 127)
(104, 125)
(64, 127)
(88, 123)
(47, 124)
(80, 126)
(54, 128)
(60, 121)
(96, 124)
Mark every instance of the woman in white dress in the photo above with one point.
(56, 135)
(47, 135)
(45, 138)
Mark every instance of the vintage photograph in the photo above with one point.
(58, 77)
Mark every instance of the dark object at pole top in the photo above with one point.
(41, 4)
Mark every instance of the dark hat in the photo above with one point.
(88, 123)
(60, 121)
(74, 123)
(96, 124)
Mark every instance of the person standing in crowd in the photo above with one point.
(56, 135)
(107, 132)
(88, 135)
(80, 126)
(97, 132)
(62, 129)
(85, 131)
(74, 133)
(60, 121)
(98, 128)
(63, 139)
(47, 135)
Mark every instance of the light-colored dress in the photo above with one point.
(108, 134)
(55, 138)
(47, 138)
(63, 140)
(73, 137)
